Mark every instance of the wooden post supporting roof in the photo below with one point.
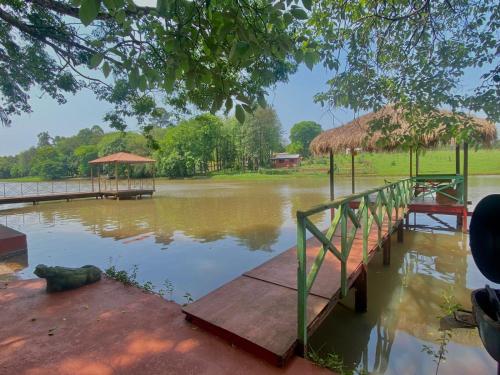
(92, 177)
(331, 171)
(353, 187)
(457, 159)
(116, 176)
(128, 176)
(466, 187)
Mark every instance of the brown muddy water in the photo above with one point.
(198, 235)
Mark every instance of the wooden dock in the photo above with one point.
(272, 309)
(112, 194)
(258, 310)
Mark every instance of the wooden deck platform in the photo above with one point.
(12, 242)
(258, 310)
(35, 198)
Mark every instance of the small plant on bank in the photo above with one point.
(129, 279)
(448, 307)
(188, 298)
(332, 361)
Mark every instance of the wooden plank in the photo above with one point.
(258, 316)
(72, 195)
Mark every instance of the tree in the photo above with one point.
(83, 154)
(48, 163)
(261, 136)
(415, 55)
(302, 133)
(44, 139)
(210, 54)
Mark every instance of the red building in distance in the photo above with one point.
(284, 160)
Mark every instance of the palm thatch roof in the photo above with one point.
(356, 134)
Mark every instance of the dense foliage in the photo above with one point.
(208, 143)
(199, 145)
(222, 55)
(212, 54)
(69, 156)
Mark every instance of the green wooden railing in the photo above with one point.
(447, 185)
(362, 210)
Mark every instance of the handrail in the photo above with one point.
(22, 189)
(440, 183)
(376, 205)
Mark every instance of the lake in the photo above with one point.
(199, 234)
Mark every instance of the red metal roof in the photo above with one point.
(122, 157)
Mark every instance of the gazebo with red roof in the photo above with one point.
(121, 158)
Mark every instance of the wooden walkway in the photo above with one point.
(113, 194)
(258, 310)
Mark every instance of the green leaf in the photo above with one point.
(89, 11)
(110, 4)
(95, 60)
(240, 114)
(307, 4)
(133, 77)
(310, 59)
(106, 69)
(143, 83)
(299, 13)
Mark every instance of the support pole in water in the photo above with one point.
(92, 177)
(99, 177)
(386, 249)
(361, 291)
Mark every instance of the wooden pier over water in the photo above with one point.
(35, 192)
(99, 187)
(272, 309)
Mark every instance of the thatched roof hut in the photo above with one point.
(355, 134)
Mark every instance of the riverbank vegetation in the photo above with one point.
(219, 148)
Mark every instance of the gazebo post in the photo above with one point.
(99, 177)
(154, 170)
(352, 171)
(128, 175)
(332, 189)
(457, 158)
(92, 177)
(116, 176)
(466, 181)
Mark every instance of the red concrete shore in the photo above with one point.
(107, 328)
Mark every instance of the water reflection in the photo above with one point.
(198, 234)
(404, 303)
